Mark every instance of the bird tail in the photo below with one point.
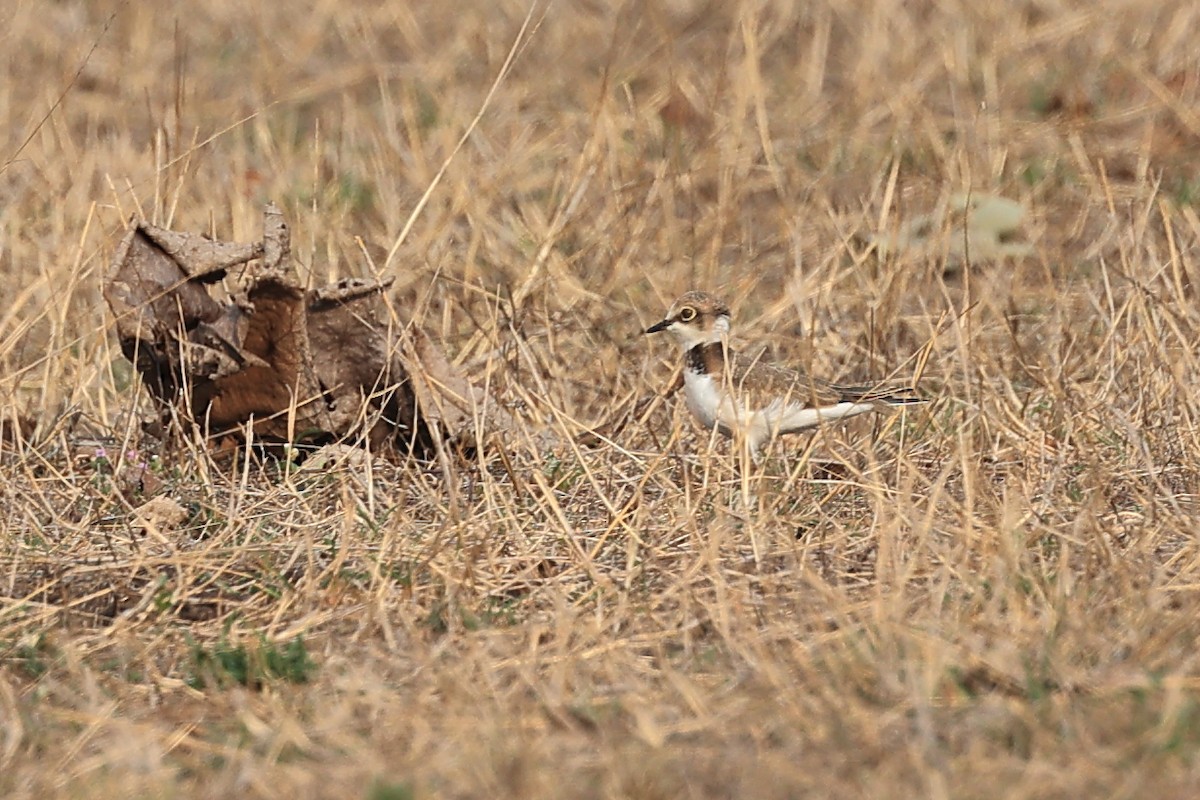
(904, 396)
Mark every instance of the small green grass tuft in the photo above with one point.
(388, 790)
(254, 666)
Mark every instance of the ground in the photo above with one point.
(995, 594)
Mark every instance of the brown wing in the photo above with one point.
(767, 380)
(757, 377)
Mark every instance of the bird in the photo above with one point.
(751, 400)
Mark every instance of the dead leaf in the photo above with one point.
(450, 404)
(160, 514)
(298, 364)
(982, 227)
(680, 112)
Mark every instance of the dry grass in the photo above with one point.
(999, 597)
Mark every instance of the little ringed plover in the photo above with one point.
(744, 397)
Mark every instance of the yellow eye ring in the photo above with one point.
(687, 314)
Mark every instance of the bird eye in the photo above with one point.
(687, 314)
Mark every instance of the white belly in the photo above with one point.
(707, 401)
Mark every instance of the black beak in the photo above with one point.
(659, 326)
